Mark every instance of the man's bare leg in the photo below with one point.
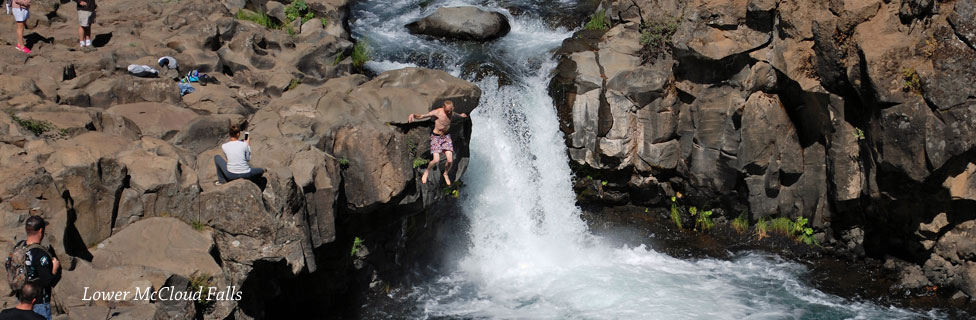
(81, 35)
(447, 167)
(437, 158)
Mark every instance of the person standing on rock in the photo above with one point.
(42, 268)
(21, 10)
(238, 156)
(440, 140)
(86, 16)
(25, 305)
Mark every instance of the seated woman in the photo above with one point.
(238, 154)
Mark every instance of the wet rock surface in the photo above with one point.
(462, 23)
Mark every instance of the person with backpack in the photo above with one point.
(31, 262)
(25, 305)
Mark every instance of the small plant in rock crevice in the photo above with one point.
(912, 81)
(201, 282)
(859, 134)
(356, 243)
(343, 163)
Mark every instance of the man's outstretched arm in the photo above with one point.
(415, 117)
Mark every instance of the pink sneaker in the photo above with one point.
(24, 49)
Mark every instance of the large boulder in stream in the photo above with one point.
(462, 23)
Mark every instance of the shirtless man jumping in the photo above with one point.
(440, 140)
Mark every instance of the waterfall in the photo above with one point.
(530, 254)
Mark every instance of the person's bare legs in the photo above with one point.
(20, 34)
(81, 35)
(447, 167)
(437, 158)
(87, 33)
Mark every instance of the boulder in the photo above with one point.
(166, 244)
(462, 23)
(156, 120)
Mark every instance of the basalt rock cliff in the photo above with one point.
(122, 167)
(858, 115)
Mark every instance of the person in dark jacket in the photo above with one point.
(86, 16)
(25, 305)
(42, 268)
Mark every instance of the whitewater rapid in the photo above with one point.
(531, 255)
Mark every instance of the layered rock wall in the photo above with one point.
(855, 114)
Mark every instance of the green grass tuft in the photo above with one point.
(762, 228)
(782, 226)
(257, 17)
(676, 213)
(597, 22)
(197, 225)
(740, 224)
(360, 53)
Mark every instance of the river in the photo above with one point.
(529, 254)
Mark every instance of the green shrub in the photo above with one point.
(597, 22)
(420, 162)
(343, 162)
(257, 17)
(298, 9)
(803, 233)
(859, 134)
(325, 22)
(782, 226)
(360, 54)
(740, 224)
(655, 37)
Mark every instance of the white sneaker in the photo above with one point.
(218, 183)
(88, 43)
(81, 44)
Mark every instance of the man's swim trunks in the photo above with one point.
(439, 144)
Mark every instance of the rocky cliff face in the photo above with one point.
(122, 167)
(858, 115)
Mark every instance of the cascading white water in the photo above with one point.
(531, 255)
